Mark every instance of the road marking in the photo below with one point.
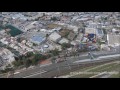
(34, 74)
(99, 58)
(109, 56)
(98, 75)
(16, 72)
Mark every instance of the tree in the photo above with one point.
(43, 14)
(54, 18)
(47, 35)
(19, 40)
(104, 31)
(53, 59)
(65, 45)
(17, 63)
(27, 63)
(34, 62)
(54, 52)
(29, 54)
(34, 44)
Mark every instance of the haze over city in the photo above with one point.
(59, 44)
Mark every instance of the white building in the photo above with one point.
(113, 39)
(4, 41)
(55, 37)
(90, 30)
(74, 28)
(63, 40)
(6, 57)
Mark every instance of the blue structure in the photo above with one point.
(38, 39)
(91, 37)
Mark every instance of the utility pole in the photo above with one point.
(90, 55)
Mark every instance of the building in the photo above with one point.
(71, 36)
(38, 39)
(28, 27)
(79, 37)
(90, 31)
(74, 43)
(55, 37)
(113, 39)
(74, 28)
(63, 40)
(6, 57)
(99, 33)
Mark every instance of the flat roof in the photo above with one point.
(38, 38)
(112, 39)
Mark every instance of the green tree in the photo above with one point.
(53, 59)
(54, 18)
(47, 35)
(17, 63)
(34, 62)
(104, 31)
(54, 52)
(29, 54)
(65, 45)
(34, 44)
(27, 63)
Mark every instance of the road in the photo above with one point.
(101, 75)
(71, 64)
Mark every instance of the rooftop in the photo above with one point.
(113, 39)
(38, 38)
(54, 36)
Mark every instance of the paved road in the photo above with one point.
(60, 68)
(71, 64)
(102, 75)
